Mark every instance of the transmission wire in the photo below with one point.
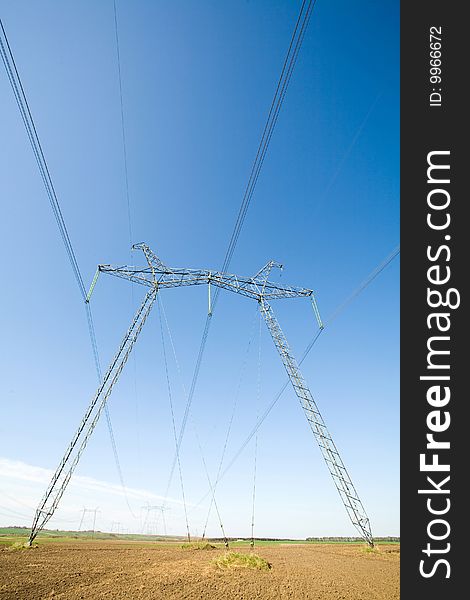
(127, 193)
(334, 315)
(341, 307)
(281, 89)
(258, 397)
(276, 105)
(173, 419)
(230, 423)
(321, 200)
(28, 121)
(123, 130)
(211, 488)
(177, 363)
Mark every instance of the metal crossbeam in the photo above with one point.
(156, 275)
(159, 275)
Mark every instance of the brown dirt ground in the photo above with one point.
(109, 570)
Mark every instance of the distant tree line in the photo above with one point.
(389, 538)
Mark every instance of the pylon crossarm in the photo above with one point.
(72, 455)
(252, 287)
(338, 471)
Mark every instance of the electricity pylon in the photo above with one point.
(156, 275)
(89, 510)
(116, 524)
(154, 509)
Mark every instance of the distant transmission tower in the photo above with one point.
(148, 522)
(156, 275)
(116, 525)
(84, 512)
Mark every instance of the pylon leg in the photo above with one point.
(72, 455)
(338, 472)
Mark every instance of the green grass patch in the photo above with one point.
(237, 560)
(198, 546)
(16, 545)
(371, 549)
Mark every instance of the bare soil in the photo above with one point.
(115, 571)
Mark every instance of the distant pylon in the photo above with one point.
(147, 522)
(89, 510)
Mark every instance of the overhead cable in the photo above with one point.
(177, 364)
(22, 102)
(360, 288)
(276, 104)
(127, 193)
(231, 419)
(123, 130)
(30, 127)
(170, 398)
(334, 315)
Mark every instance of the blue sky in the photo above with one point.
(198, 79)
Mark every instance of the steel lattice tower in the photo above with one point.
(156, 275)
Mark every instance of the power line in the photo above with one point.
(112, 438)
(126, 182)
(369, 279)
(276, 104)
(206, 470)
(173, 421)
(230, 423)
(258, 397)
(15, 514)
(123, 130)
(16, 500)
(161, 306)
(335, 314)
(342, 161)
(22, 102)
(311, 344)
(281, 90)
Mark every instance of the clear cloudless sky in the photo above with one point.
(198, 79)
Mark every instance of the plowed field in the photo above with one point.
(113, 570)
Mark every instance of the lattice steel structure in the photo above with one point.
(156, 275)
